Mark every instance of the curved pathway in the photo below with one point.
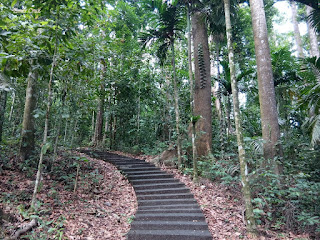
(166, 208)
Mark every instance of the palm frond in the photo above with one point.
(315, 134)
(314, 19)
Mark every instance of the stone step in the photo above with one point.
(172, 210)
(150, 181)
(165, 202)
(169, 235)
(168, 225)
(128, 170)
(165, 196)
(171, 207)
(149, 176)
(128, 163)
(158, 186)
(135, 166)
(158, 171)
(169, 217)
(162, 191)
(166, 208)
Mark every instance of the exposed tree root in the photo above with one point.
(23, 230)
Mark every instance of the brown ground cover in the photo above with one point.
(103, 209)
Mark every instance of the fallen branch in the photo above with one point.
(23, 230)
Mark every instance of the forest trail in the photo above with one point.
(166, 208)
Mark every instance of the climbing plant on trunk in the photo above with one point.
(202, 89)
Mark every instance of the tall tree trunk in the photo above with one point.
(27, 133)
(176, 105)
(98, 134)
(314, 47)
(3, 104)
(267, 98)
(251, 225)
(202, 91)
(296, 30)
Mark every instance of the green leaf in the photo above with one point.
(45, 148)
(14, 3)
(258, 211)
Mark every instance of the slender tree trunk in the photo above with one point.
(99, 124)
(220, 109)
(3, 104)
(98, 134)
(12, 105)
(314, 47)
(296, 30)
(106, 127)
(46, 128)
(268, 106)
(194, 153)
(138, 115)
(27, 144)
(251, 225)
(93, 126)
(74, 132)
(190, 60)
(202, 91)
(176, 106)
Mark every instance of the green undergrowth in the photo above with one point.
(64, 172)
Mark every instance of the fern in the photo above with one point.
(202, 69)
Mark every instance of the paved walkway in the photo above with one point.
(166, 208)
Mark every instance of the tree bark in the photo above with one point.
(190, 60)
(12, 105)
(27, 144)
(98, 134)
(314, 47)
(296, 31)
(251, 225)
(3, 104)
(176, 105)
(267, 98)
(202, 91)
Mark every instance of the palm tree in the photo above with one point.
(169, 25)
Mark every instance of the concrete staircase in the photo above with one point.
(166, 208)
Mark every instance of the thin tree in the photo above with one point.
(98, 133)
(46, 125)
(3, 100)
(251, 225)
(296, 31)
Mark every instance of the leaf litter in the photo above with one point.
(106, 211)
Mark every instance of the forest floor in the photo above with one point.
(104, 203)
